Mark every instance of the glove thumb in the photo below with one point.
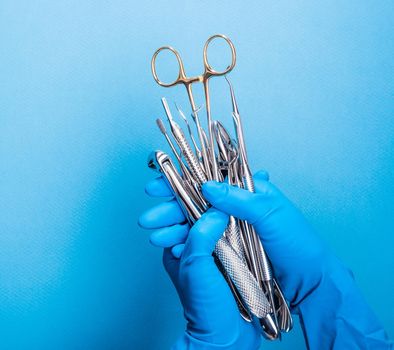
(239, 202)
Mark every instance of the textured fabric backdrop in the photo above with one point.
(314, 82)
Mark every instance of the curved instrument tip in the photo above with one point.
(233, 100)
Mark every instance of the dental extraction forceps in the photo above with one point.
(209, 160)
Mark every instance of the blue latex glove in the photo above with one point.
(213, 319)
(319, 288)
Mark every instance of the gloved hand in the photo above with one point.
(319, 288)
(213, 319)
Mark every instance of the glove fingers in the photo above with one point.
(164, 214)
(158, 188)
(177, 250)
(205, 233)
(167, 237)
(261, 175)
(262, 185)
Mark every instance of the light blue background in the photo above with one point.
(314, 80)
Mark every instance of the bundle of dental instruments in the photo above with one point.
(215, 155)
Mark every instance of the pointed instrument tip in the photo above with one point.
(233, 100)
(180, 112)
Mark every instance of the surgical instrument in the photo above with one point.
(258, 251)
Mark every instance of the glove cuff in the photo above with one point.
(336, 316)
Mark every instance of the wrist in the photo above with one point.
(331, 274)
(335, 314)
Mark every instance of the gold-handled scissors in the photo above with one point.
(210, 164)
